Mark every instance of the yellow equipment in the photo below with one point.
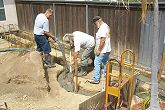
(122, 79)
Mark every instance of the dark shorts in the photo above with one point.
(42, 44)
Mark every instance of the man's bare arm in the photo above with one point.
(49, 35)
(102, 42)
(75, 55)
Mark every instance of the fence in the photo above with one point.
(127, 31)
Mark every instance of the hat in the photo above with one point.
(96, 18)
(67, 37)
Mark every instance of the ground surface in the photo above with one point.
(24, 86)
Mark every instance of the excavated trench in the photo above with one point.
(68, 84)
(67, 80)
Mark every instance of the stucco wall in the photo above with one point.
(11, 15)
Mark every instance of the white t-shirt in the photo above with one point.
(82, 40)
(41, 24)
(103, 31)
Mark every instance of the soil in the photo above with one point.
(24, 84)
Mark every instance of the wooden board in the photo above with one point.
(96, 102)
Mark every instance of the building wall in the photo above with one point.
(11, 15)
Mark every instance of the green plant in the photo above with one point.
(146, 102)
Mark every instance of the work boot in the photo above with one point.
(82, 72)
(48, 61)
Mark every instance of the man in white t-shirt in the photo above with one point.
(41, 35)
(103, 48)
(80, 40)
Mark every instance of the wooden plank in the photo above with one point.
(96, 102)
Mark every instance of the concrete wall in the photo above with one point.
(11, 14)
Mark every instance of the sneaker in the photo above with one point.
(93, 81)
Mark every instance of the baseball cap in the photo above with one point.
(96, 18)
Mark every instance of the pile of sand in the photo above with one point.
(24, 84)
(22, 74)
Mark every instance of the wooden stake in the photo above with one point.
(76, 75)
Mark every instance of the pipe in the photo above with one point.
(15, 49)
(64, 58)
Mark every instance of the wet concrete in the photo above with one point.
(69, 85)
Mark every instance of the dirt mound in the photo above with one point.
(22, 74)
(24, 84)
